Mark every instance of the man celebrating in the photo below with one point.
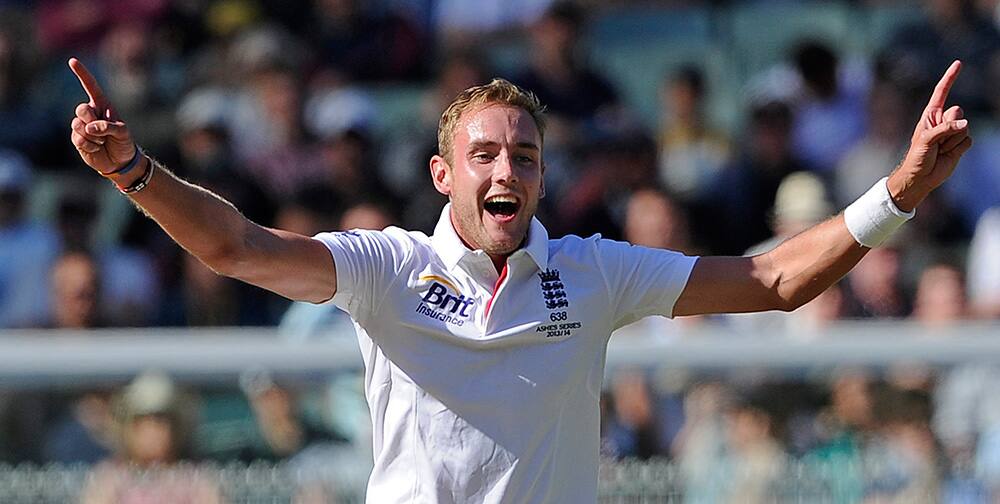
(484, 344)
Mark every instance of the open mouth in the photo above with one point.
(501, 207)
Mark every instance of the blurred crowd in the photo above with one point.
(322, 114)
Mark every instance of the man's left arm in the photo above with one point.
(804, 266)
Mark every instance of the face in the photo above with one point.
(940, 295)
(75, 288)
(652, 221)
(150, 440)
(494, 180)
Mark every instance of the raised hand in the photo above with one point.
(939, 140)
(100, 137)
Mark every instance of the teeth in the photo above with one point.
(501, 199)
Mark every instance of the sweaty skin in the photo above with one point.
(497, 152)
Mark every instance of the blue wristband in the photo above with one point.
(130, 166)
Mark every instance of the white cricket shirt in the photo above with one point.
(485, 388)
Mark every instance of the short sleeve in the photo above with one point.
(367, 262)
(642, 281)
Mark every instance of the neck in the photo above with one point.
(499, 260)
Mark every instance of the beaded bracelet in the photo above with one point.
(142, 183)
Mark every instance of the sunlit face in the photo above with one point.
(494, 180)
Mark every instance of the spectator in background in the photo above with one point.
(692, 154)
(747, 190)
(800, 203)
(24, 124)
(27, 249)
(984, 266)
(129, 284)
(75, 282)
(951, 29)
(206, 154)
(883, 145)
(85, 432)
(977, 186)
(461, 69)
(609, 171)
(272, 144)
(155, 422)
(874, 285)
(315, 455)
(369, 44)
(632, 429)
(79, 25)
(700, 442)
(966, 407)
(726, 449)
(277, 417)
(141, 85)
(349, 169)
(940, 298)
(827, 309)
(558, 74)
(201, 298)
(652, 219)
(40, 425)
(830, 115)
(335, 105)
(902, 458)
(842, 431)
(311, 211)
(754, 461)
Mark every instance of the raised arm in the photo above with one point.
(204, 224)
(804, 266)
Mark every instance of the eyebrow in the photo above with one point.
(486, 143)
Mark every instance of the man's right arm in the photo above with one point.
(204, 224)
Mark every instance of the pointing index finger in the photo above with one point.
(89, 84)
(943, 87)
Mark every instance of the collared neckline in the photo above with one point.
(451, 249)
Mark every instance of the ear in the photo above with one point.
(441, 175)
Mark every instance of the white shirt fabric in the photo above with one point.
(479, 396)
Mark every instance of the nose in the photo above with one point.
(503, 170)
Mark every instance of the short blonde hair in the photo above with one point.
(498, 91)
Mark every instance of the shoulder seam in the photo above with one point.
(407, 255)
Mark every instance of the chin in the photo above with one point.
(502, 247)
(505, 243)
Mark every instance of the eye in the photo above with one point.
(483, 157)
(525, 159)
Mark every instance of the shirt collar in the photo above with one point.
(450, 248)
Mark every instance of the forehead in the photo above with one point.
(497, 123)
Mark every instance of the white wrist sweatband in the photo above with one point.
(873, 217)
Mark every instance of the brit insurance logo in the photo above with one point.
(443, 301)
(554, 295)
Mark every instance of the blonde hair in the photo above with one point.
(499, 92)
